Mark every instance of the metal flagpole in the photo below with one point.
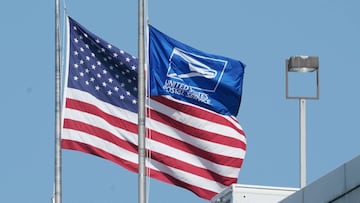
(57, 105)
(141, 104)
(302, 119)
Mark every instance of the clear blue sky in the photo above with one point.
(262, 34)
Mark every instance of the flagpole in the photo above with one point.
(57, 105)
(141, 105)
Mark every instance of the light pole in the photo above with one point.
(302, 64)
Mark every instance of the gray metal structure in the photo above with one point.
(57, 189)
(141, 104)
(302, 64)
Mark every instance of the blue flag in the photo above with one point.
(210, 81)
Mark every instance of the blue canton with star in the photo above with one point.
(97, 67)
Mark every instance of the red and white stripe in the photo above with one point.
(190, 146)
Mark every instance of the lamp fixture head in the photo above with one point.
(302, 63)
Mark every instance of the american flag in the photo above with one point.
(189, 146)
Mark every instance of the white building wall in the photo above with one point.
(342, 185)
(238, 193)
(350, 197)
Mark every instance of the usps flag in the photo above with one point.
(211, 81)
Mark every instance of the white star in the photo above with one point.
(122, 97)
(104, 71)
(122, 52)
(115, 55)
(127, 59)
(110, 80)
(127, 93)
(81, 62)
(76, 40)
(97, 41)
(133, 67)
(92, 79)
(81, 74)
(87, 82)
(109, 92)
(76, 65)
(87, 58)
(116, 89)
(76, 78)
(76, 53)
(93, 67)
(82, 49)
(98, 63)
(87, 70)
(104, 84)
(97, 88)
(134, 101)
(109, 46)
(98, 75)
